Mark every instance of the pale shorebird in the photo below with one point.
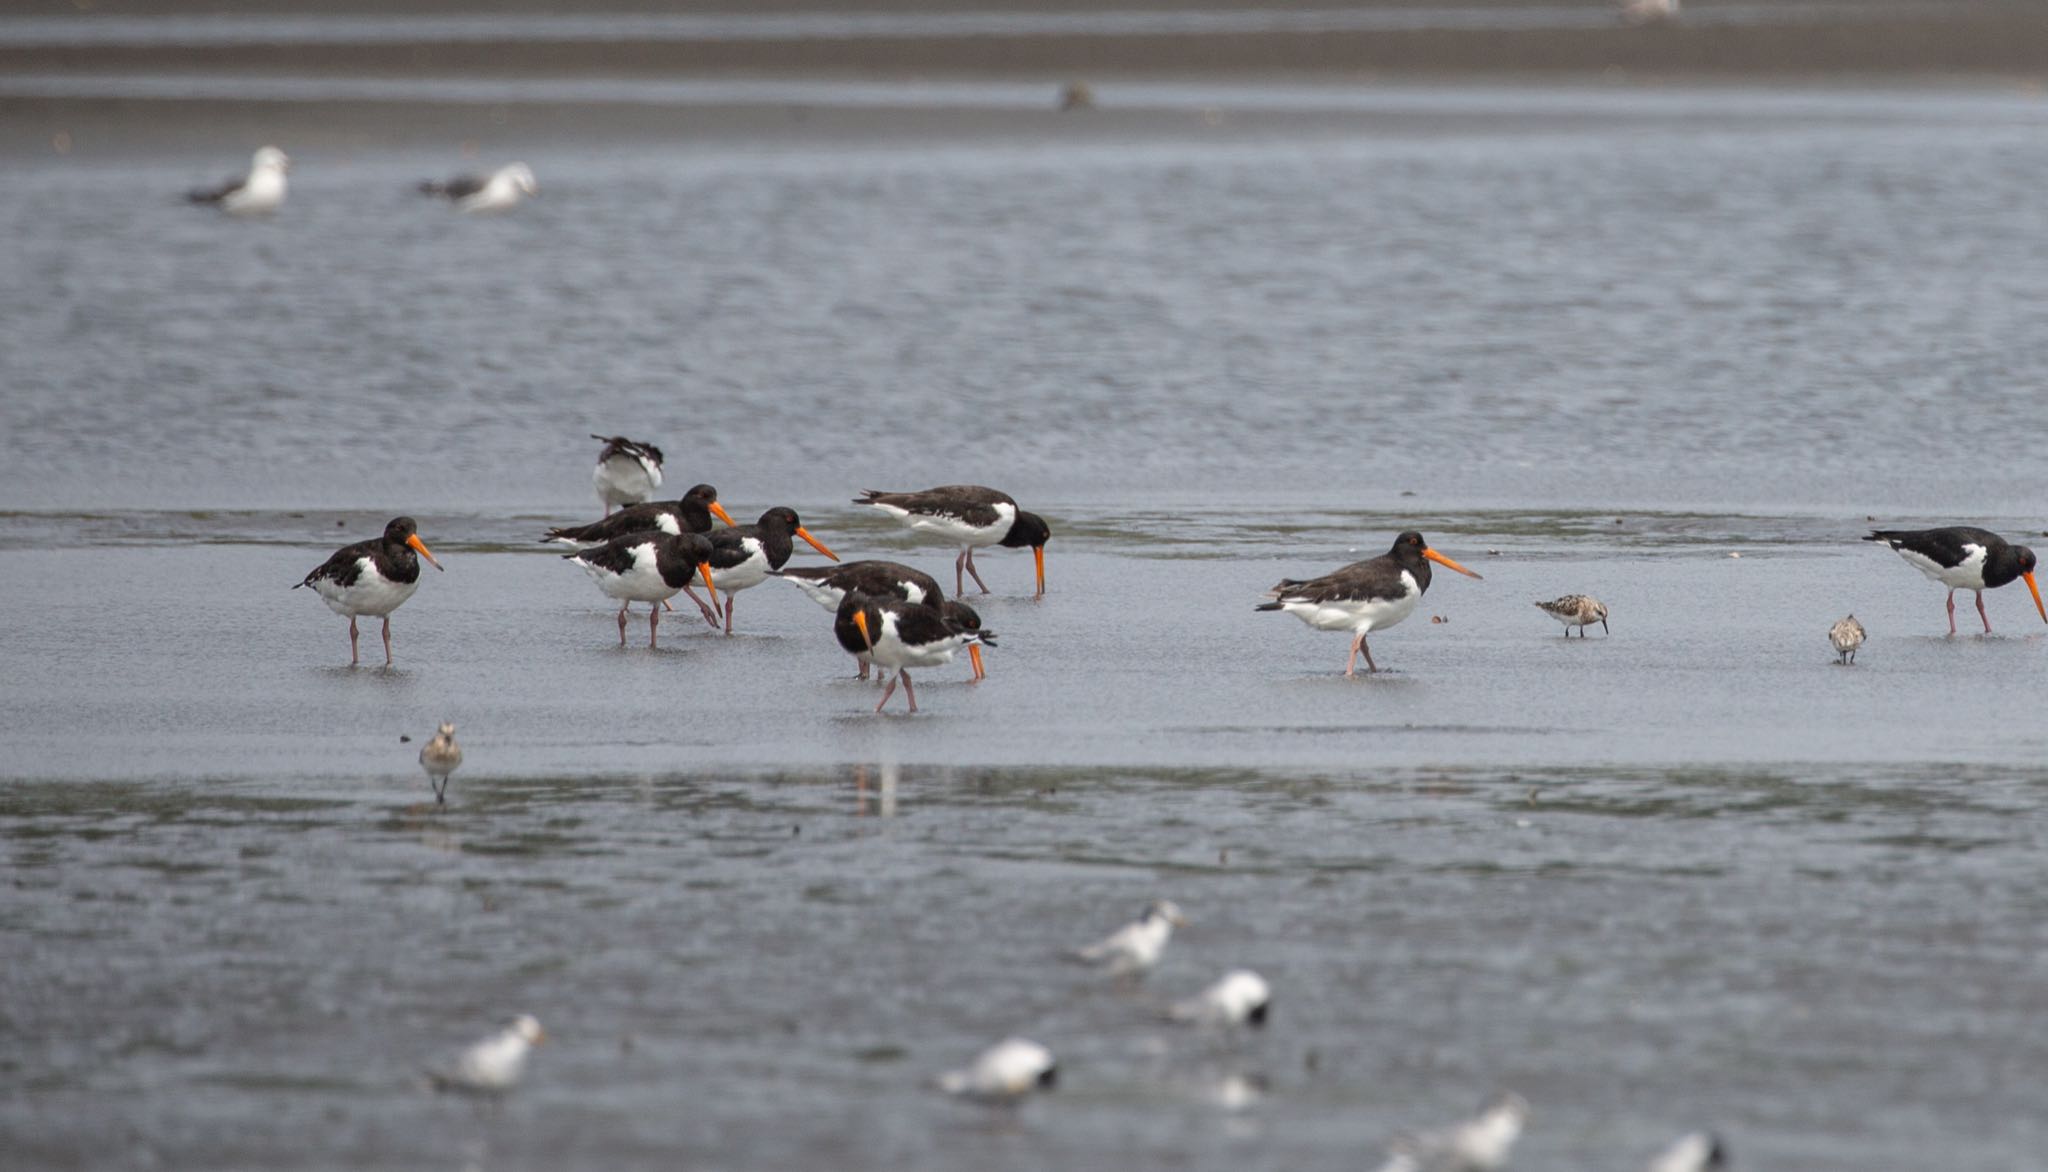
(1699, 1152)
(499, 191)
(372, 577)
(1649, 11)
(494, 1064)
(1008, 1070)
(1576, 610)
(1963, 557)
(1363, 597)
(1478, 1144)
(440, 757)
(627, 472)
(1239, 997)
(1847, 636)
(1133, 949)
(971, 517)
(259, 192)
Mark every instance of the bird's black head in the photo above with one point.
(2026, 558)
(1717, 1152)
(694, 546)
(1029, 530)
(1259, 1013)
(401, 528)
(961, 615)
(781, 517)
(703, 494)
(1049, 1077)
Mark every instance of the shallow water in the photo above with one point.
(1687, 874)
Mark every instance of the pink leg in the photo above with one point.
(1351, 664)
(1981, 614)
(353, 658)
(908, 690)
(959, 582)
(387, 640)
(653, 620)
(974, 573)
(863, 667)
(710, 616)
(622, 623)
(1951, 612)
(729, 600)
(888, 691)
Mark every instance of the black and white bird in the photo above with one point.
(649, 566)
(495, 1063)
(499, 191)
(892, 633)
(742, 557)
(828, 585)
(440, 757)
(1963, 557)
(1132, 950)
(1846, 636)
(1478, 1144)
(1238, 997)
(1576, 610)
(260, 192)
(690, 514)
(627, 472)
(1363, 597)
(1006, 1071)
(372, 577)
(970, 517)
(1701, 1151)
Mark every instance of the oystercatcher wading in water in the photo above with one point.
(1963, 557)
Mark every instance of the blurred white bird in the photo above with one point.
(494, 1064)
(496, 192)
(1478, 1144)
(1011, 1068)
(1649, 11)
(1133, 949)
(1698, 1152)
(439, 757)
(259, 192)
(1238, 996)
(629, 471)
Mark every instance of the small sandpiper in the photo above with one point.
(1577, 610)
(1847, 636)
(439, 757)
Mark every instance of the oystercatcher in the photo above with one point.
(970, 516)
(260, 192)
(499, 191)
(1363, 597)
(627, 472)
(648, 567)
(691, 514)
(1963, 557)
(440, 757)
(827, 585)
(892, 633)
(1846, 636)
(742, 557)
(372, 577)
(1576, 610)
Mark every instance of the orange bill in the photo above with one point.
(2029, 576)
(424, 552)
(860, 619)
(718, 511)
(974, 656)
(704, 568)
(1441, 560)
(815, 543)
(1038, 553)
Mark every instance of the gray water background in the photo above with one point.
(1688, 874)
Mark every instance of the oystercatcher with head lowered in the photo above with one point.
(1363, 597)
(627, 472)
(648, 567)
(889, 632)
(969, 516)
(372, 577)
(1963, 557)
(743, 556)
(828, 585)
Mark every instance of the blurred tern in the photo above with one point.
(1010, 1069)
(1238, 997)
(1698, 1152)
(499, 191)
(1133, 949)
(494, 1064)
(1478, 1144)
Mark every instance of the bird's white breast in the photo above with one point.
(372, 593)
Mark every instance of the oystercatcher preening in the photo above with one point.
(372, 577)
(1963, 557)
(1363, 597)
(627, 472)
(969, 516)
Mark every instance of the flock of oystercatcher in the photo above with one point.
(895, 617)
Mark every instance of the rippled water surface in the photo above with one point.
(1687, 874)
